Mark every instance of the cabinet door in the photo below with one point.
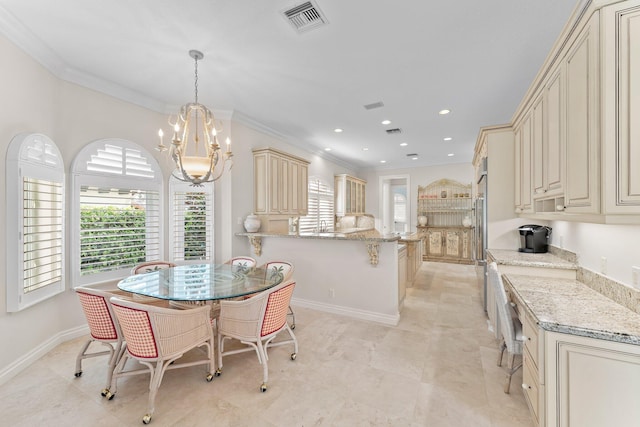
(626, 194)
(538, 139)
(582, 193)
(285, 185)
(453, 244)
(303, 190)
(340, 190)
(525, 165)
(294, 192)
(434, 243)
(260, 184)
(517, 137)
(591, 383)
(554, 146)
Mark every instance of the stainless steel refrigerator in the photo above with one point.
(480, 208)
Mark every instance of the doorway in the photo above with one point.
(395, 203)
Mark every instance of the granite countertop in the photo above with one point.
(571, 307)
(410, 237)
(524, 259)
(367, 235)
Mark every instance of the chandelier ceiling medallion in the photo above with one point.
(194, 145)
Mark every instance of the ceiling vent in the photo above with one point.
(394, 131)
(305, 17)
(378, 104)
(412, 155)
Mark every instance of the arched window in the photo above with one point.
(190, 221)
(116, 210)
(35, 218)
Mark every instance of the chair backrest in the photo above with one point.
(243, 263)
(275, 315)
(153, 332)
(505, 316)
(276, 268)
(148, 267)
(98, 311)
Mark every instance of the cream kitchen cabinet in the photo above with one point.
(349, 195)
(280, 187)
(532, 366)
(452, 244)
(621, 100)
(523, 199)
(591, 382)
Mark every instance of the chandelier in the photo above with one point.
(194, 145)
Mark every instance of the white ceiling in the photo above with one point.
(476, 58)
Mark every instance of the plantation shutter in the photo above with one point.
(191, 221)
(42, 242)
(320, 213)
(35, 217)
(119, 228)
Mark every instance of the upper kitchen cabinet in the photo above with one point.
(280, 187)
(349, 195)
(621, 98)
(576, 137)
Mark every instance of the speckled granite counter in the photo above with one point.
(523, 259)
(368, 235)
(571, 307)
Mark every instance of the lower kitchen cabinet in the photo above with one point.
(452, 244)
(591, 382)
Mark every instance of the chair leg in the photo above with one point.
(503, 346)
(265, 365)
(293, 316)
(512, 370)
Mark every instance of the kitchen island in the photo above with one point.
(350, 273)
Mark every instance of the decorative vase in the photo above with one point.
(422, 220)
(252, 223)
(466, 222)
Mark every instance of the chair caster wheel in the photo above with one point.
(263, 388)
(146, 419)
(209, 378)
(104, 392)
(109, 395)
(218, 372)
(293, 326)
(78, 374)
(293, 356)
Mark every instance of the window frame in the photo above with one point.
(83, 176)
(319, 190)
(175, 185)
(21, 163)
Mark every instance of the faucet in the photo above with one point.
(323, 226)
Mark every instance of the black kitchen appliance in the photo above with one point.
(534, 238)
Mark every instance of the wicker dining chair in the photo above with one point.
(157, 338)
(255, 322)
(103, 329)
(151, 266)
(285, 269)
(243, 263)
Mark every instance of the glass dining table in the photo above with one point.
(200, 282)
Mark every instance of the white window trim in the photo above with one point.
(82, 176)
(19, 165)
(175, 242)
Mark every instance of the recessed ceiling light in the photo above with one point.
(404, 144)
(443, 112)
(365, 149)
(386, 122)
(327, 149)
(448, 138)
(414, 158)
(450, 154)
(337, 130)
(383, 161)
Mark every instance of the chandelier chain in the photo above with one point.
(196, 79)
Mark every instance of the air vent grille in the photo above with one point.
(374, 105)
(305, 17)
(394, 131)
(412, 155)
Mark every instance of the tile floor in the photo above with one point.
(436, 368)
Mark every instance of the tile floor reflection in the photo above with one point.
(436, 368)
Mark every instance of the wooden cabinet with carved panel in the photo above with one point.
(451, 244)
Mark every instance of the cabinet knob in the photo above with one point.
(525, 338)
(526, 386)
(559, 208)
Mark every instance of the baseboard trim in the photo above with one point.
(24, 362)
(386, 319)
